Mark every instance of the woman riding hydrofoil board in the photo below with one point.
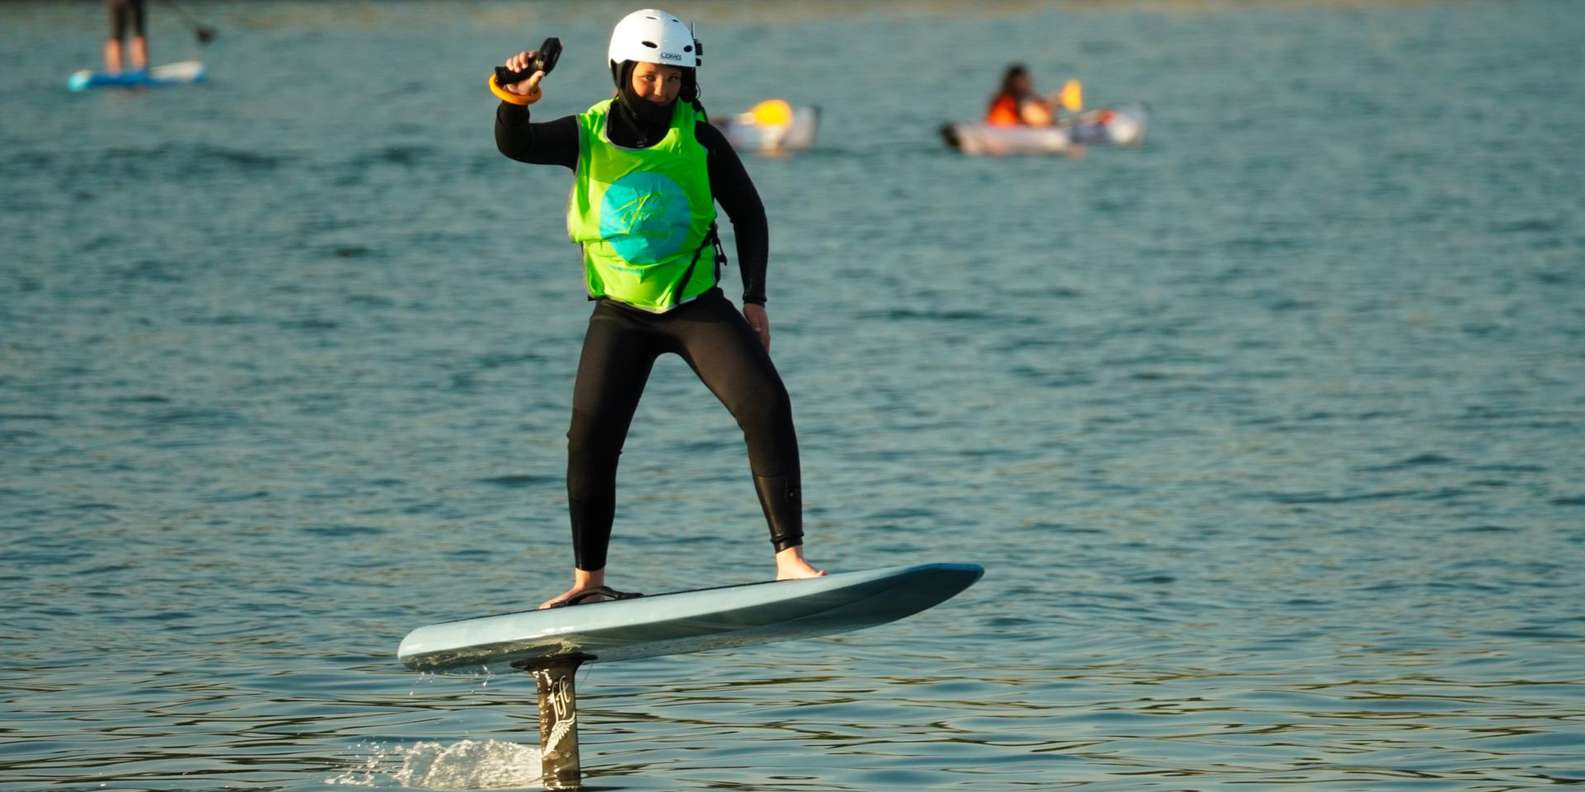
(649, 170)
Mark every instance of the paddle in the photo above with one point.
(1071, 97)
(204, 33)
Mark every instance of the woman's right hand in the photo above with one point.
(529, 88)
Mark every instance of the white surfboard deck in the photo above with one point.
(686, 621)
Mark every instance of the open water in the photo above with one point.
(1269, 434)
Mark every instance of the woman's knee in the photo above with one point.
(592, 442)
(765, 409)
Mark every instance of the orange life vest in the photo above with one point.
(1004, 111)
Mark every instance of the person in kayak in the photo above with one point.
(125, 15)
(648, 170)
(1017, 104)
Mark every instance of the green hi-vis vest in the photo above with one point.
(644, 217)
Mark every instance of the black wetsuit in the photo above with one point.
(124, 13)
(622, 343)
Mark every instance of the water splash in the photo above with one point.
(470, 764)
(367, 772)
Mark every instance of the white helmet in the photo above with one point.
(653, 36)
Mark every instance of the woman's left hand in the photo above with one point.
(758, 321)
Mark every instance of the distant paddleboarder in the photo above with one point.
(648, 171)
(126, 16)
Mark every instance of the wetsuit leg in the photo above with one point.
(723, 350)
(618, 354)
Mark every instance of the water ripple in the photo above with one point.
(1267, 431)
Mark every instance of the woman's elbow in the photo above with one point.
(511, 148)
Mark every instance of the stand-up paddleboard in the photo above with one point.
(178, 73)
(552, 643)
(686, 621)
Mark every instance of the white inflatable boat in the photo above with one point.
(771, 127)
(1109, 126)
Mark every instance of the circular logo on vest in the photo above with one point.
(644, 216)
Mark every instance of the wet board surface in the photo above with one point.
(177, 73)
(686, 621)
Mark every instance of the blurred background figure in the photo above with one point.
(125, 14)
(1016, 103)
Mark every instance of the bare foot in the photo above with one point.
(790, 565)
(564, 596)
(582, 580)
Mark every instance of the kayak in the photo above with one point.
(178, 73)
(1111, 126)
(771, 127)
(977, 138)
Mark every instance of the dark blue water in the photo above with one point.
(1268, 433)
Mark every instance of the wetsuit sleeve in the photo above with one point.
(550, 143)
(730, 184)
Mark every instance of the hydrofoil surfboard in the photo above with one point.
(551, 644)
(686, 621)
